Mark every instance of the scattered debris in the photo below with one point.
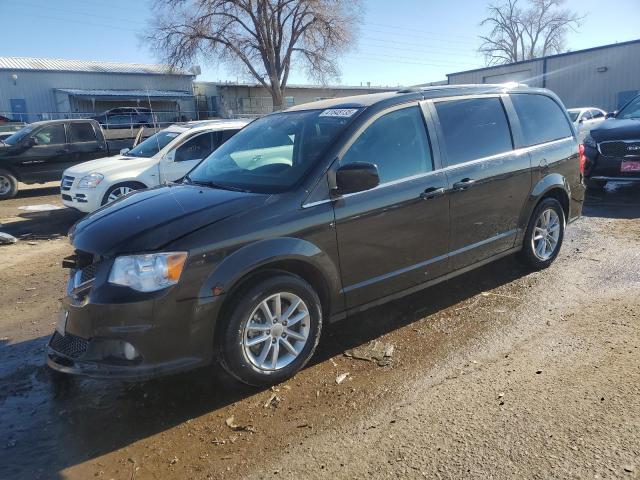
(43, 207)
(538, 372)
(374, 351)
(486, 294)
(341, 378)
(173, 461)
(239, 428)
(629, 468)
(6, 239)
(501, 394)
(273, 401)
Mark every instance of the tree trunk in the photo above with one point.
(277, 98)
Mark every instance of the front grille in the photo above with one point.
(89, 273)
(68, 345)
(66, 183)
(620, 148)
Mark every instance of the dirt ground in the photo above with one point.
(500, 373)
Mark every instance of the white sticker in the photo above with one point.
(339, 112)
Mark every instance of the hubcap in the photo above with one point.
(546, 234)
(276, 331)
(119, 192)
(5, 185)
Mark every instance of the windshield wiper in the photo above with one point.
(207, 183)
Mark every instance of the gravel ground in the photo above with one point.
(501, 373)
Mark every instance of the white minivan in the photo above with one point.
(164, 157)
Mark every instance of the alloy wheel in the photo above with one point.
(546, 234)
(118, 192)
(276, 332)
(5, 185)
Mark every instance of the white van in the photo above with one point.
(164, 157)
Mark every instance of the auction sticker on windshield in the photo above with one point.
(339, 112)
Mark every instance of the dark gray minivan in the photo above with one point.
(309, 215)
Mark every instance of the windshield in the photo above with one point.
(19, 135)
(573, 114)
(273, 153)
(152, 145)
(632, 110)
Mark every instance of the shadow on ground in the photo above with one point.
(49, 424)
(616, 200)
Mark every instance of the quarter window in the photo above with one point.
(82, 132)
(597, 114)
(473, 128)
(195, 148)
(542, 120)
(397, 143)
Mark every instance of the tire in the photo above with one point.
(8, 185)
(538, 258)
(596, 184)
(243, 361)
(125, 188)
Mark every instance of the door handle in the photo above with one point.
(464, 184)
(432, 192)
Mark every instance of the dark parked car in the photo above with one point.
(41, 151)
(308, 216)
(612, 150)
(126, 117)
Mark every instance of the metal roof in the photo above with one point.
(77, 92)
(304, 86)
(539, 59)
(91, 66)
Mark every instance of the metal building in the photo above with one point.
(34, 89)
(604, 77)
(229, 99)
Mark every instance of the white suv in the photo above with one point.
(164, 157)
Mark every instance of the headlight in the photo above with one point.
(148, 273)
(90, 181)
(590, 142)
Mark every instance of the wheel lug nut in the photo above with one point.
(284, 335)
(273, 340)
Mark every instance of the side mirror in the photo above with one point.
(611, 114)
(124, 151)
(30, 142)
(356, 177)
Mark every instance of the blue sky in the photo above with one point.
(401, 41)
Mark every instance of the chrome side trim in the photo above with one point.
(439, 258)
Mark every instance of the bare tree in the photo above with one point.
(518, 34)
(265, 37)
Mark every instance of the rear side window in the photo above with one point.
(474, 128)
(396, 143)
(542, 120)
(195, 148)
(82, 132)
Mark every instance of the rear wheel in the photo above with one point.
(119, 190)
(8, 185)
(272, 331)
(544, 235)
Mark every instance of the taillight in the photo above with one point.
(582, 157)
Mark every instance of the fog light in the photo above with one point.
(130, 351)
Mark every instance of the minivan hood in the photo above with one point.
(149, 219)
(614, 129)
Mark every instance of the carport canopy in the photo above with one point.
(126, 94)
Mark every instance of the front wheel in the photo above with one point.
(8, 185)
(272, 331)
(119, 190)
(544, 235)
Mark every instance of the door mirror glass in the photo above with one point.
(356, 177)
(612, 114)
(124, 151)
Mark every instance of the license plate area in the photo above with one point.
(61, 324)
(630, 166)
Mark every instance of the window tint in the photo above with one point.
(51, 135)
(597, 114)
(224, 135)
(82, 132)
(397, 143)
(196, 148)
(473, 128)
(541, 118)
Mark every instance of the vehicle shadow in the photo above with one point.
(38, 192)
(51, 425)
(616, 200)
(43, 225)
